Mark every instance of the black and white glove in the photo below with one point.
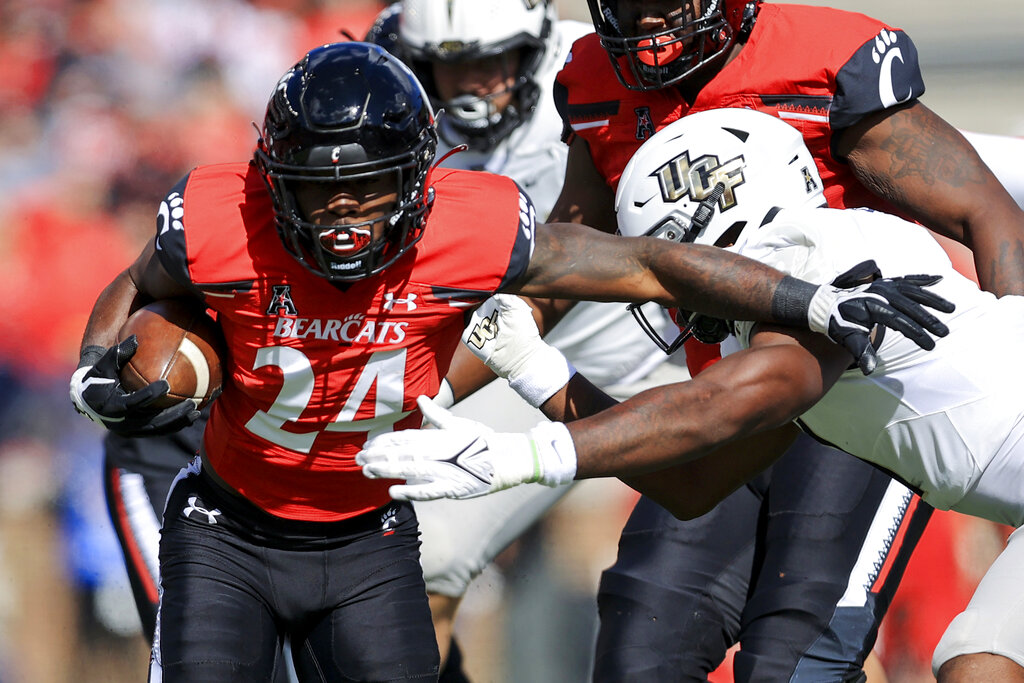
(847, 312)
(503, 334)
(463, 458)
(97, 393)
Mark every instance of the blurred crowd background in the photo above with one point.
(104, 104)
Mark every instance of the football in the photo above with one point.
(178, 342)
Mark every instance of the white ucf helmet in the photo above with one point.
(453, 31)
(711, 178)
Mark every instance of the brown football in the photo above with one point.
(178, 342)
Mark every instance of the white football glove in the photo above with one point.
(503, 334)
(465, 459)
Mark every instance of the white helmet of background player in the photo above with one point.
(453, 31)
(713, 178)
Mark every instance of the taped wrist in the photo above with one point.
(90, 354)
(791, 303)
(538, 380)
(554, 454)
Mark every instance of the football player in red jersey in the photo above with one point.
(341, 265)
(769, 567)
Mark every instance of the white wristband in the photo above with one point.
(820, 309)
(554, 453)
(546, 372)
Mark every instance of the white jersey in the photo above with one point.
(461, 537)
(946, 421)
(601, 339)
(533, 154)
(1002, 154)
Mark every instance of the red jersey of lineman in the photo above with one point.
(818, 69)
(314, 368)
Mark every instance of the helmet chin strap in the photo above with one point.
(706, 211)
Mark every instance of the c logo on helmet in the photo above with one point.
(682, 178)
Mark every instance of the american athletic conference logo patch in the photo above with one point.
(644, 124)
(281, 302)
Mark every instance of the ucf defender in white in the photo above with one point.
(949, 422)
(490, 66)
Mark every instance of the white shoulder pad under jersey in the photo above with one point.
(942, 420)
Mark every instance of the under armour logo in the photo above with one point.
(390, 301)
(210, 515)
(281, 301)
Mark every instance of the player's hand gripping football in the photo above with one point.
(465, 459)
(847, 311)
(97, 393)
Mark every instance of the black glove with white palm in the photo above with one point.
(97, 393)
(857, 300)
(463, 458)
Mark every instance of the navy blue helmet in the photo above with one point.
(348, 112)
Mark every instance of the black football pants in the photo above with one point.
(236, 580)
(799, 567)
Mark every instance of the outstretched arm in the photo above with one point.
(694, 488)
(914, 159)
(576, 262)
(782, 375)
(746, 393)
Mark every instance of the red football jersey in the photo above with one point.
(315, 369)
(819, 69)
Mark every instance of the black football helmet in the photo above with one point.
(663, 58)
(348, 112)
